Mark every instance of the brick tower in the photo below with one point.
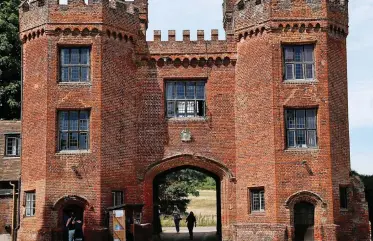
(79, 74)
(264, 112)
(291, 82)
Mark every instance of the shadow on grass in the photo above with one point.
(198, 236)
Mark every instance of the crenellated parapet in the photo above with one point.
(199, 52)
(253, 17)
(121, 15)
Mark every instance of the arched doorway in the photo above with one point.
(159, 207)
(222, 174)
(304, 220)
(62, 211)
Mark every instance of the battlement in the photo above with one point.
(188, 51)
(38, 12)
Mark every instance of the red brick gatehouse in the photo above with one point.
(105, 112)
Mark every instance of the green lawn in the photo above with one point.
(203, 207)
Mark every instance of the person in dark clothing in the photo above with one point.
(70, 224)
(177, 218)
(192, 222)
(78, 230)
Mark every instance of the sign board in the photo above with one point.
(119, 225)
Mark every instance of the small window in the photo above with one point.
(30, 204)
(12, 145)
(257, 200)
(301, 128)
(75, 64)
(343, 195)
(117, 198)
(73, 130)
(299, 62)
(185, 98)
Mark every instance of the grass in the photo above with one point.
(202, 221)
(203, 207)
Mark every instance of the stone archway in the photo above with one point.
(61, 208)
(218, 170)
(307, 205)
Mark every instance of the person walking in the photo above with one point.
(70, 225)
(177, 219)
(192, 222)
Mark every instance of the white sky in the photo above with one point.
(207, 14)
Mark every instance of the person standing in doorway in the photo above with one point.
(70, 224)
(177, 219)
(192, 222)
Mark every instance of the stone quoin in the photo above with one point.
(264, 110)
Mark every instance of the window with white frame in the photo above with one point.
(299, 62)
(301, 129)
(30, 204)
(117, 197)
(12, 145)
(75, 64)
(185, 98)
(257, 200)
(73, 130)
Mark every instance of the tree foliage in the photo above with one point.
(174, 189)
(10, 60)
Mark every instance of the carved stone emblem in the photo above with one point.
(185, 135)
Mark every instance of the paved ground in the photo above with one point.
(200, 234)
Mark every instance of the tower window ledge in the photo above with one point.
(77, 84)
(73, 152)
(311, 81)
(187, 119)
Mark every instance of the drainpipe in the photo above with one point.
(13, 207)
(18, 210)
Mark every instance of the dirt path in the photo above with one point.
(200, 234)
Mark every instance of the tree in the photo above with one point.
(174, 189)
(10, 60)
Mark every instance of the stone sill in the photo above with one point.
(74, 84)
(257, 213)
(314, 81)
(305, 150)
(11, 157)
(77, 152)
(187, 119)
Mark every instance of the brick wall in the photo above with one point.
(6, 203)
(241, 140)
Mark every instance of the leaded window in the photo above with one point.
(12, 145)
(30, 204)
(257, 200)
(185, 98)
(75, 64)
(301, 128)
(73, 130)
(117, 197)
(299, 62)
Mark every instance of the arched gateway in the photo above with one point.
(213, 168)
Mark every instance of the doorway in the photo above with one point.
(78, 215)
(304, 219)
